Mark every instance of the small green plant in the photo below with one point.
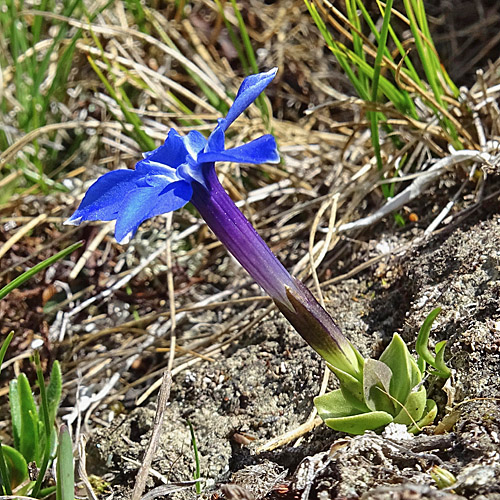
(390, 389)
(425, 356)
(34, 434)
(35, 439)
(197, 472)
(442, 477)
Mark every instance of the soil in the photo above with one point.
(263, 386)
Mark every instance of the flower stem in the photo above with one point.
(292, 297)
(236, 233)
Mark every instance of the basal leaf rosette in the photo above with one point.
(390, 390)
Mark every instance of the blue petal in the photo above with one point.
(192, 171)
(171, 198)
(105, 197)
(249, 90)
(146, 202)
(171, 153)
(261, 150)
(147, 169)
(217, 137)
(194, 143)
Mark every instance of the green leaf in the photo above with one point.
(15, 412)
(5, 488)
(358, 424)
(442, 370)
(422, 344)
(405, 372)
(45, 429)
(54, 391)
(65, 475)
(376, 381)
(413, 408)
(333, 405)
(422, 347)
(351, 387)
(430, 413)
(16, 466)
(28, 437)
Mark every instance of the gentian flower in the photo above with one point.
(183, 170)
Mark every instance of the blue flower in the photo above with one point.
(167, 177)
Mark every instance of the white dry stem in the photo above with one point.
(418, 186)
(83, 403)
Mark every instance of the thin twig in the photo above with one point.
(171, 294)
(290, 435)
(143, 473)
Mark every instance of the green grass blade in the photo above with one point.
(428, 57)
(5, 346)
(338, 50)
(37, 23)
(246, 38)
(438, 67)
(391, 92)
(375, 137)
(234, 39)
(357, 40)
(197, 473)
(423, 51)
(65, 476)
(408, 67)
(382, 47)
(17, 282)
(373, 28)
